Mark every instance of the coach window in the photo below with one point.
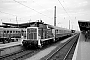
(16, 31)
(64, 31)
(24, 31)
(4, 31)
(10, 31)
(19, 31)
(7, 31)
(13, 31)
(57, 31)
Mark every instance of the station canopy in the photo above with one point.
(23, 25)
(84, 25)
(31, 24)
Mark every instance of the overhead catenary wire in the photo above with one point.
(36, 3)
(65, 11)
(39, 5)
(32, 9)
(8, 13)
(67, 8)
(64, 8)
(74, 11)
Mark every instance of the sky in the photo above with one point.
(33, 10)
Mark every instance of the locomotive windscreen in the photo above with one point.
(32, 33)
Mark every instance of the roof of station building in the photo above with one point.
(24, 25)
(84, 25)
(21, 25)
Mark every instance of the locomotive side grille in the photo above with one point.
(32, 33)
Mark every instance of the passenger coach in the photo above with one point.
(11, 34)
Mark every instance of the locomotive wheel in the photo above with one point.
(4, 41)
(54, 40)
(8, 40)
(40, 46)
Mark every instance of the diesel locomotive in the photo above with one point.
(39, 34)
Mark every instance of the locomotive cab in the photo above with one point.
(36, 36)
(32, 37)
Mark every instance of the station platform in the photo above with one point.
(10, 44)
(82, 51)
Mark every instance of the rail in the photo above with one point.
(48, 58)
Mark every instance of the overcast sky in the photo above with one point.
(34, 10)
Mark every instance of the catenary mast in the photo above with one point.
(55, 20)
(55, 17)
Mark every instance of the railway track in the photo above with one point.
(70, 52)
(65, 51)
(21, 55)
